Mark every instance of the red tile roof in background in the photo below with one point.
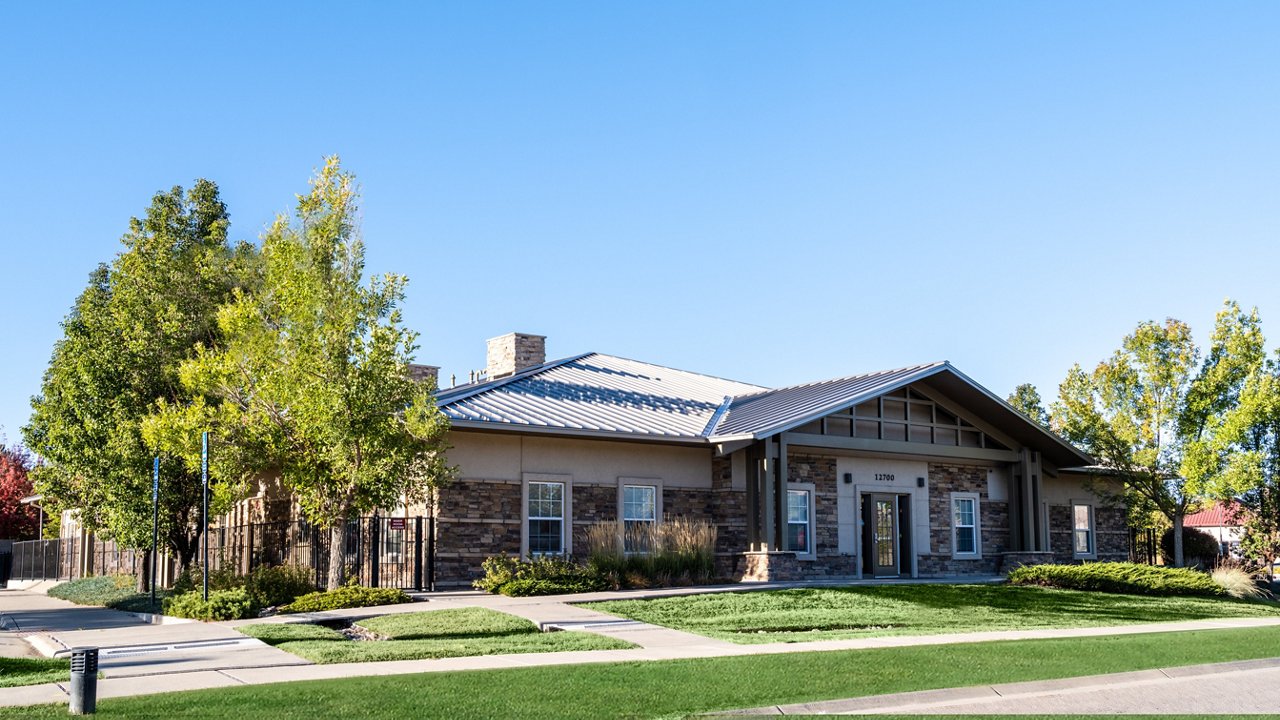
(1221, 514)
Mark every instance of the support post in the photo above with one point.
(204, 516)
(417, 553)
(431, 553)
(155, 527)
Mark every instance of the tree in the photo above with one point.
(1152, 413)
(313, 379)
(1245, 458)
(120, 353)
(1026, 400)
(17, 521)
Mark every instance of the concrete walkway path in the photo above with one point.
(166, 658)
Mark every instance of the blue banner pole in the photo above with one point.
(204, 481)
(155, 525)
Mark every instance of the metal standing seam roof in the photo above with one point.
(777, 410)
(607, 395)
(601, 393)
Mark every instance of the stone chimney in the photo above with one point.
(419, 373)
(513, 352)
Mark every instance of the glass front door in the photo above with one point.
(884, 538)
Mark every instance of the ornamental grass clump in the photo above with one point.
(678, 550)
(1237, 581)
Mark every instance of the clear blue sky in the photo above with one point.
(770, 192)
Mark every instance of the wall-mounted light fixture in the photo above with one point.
(919, 482)
(848, 478)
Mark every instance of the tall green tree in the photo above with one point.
(122, 345)
(312, 381)
(1152, 413)
(1026, 400)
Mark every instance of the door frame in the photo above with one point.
(902, 511)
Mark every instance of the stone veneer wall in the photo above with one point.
(728, 509)
(475, 519)
(1111, 534)
(993, 522)
(820, 471)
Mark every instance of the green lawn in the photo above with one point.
(422, 635)
(678, 688)
(32, 671)
(868, 611)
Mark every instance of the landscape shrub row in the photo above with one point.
(1119, 577)
(677, 551)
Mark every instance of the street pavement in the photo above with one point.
(140, 657)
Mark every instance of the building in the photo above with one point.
(1224, 522)
(913, 472)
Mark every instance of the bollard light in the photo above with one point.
(84, 680)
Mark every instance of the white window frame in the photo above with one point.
(977, 525)
(623, 484)
(809, 490)
(1093, 531)
(566, 509)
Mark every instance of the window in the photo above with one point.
(799, 527)
(1082, 530)
(964, 525)
(639, 517)
(546, 518)
(903, 416)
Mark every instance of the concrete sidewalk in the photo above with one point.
(166, 658)
(1215, 689)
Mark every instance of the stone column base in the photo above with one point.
(771, 567)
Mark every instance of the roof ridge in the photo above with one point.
(681, 370)
(911, 368)
(447, 398)
(717, 416)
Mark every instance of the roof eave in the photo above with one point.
(518, 428)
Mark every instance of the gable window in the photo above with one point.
(800, 520)
(639, 517)
(545, 512)
(965, 532)
(1082, 540)
(903, 415)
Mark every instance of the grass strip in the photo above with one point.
(851, 612)
(678, 688)
(462, 632)
(32, 671)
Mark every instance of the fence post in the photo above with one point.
(315, 553)
(375, 554)
(431, 553)
(417, 553)
(249, 564)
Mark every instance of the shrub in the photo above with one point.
(272, 586)
(233, 604)
(1199, 548)
(113, 591)
(348, 596)
(1237, 581)
(223, 577)
(541, 576)
(526, 587)
(498, 571)
(1118, 577)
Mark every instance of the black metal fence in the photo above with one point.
(43, 560)
(1143, 547)
(377, 551)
